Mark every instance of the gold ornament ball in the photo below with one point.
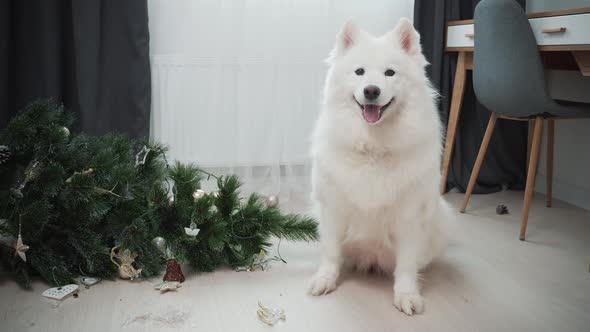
(65, 131)
(272, 201)
(198, 194)
(160, 243)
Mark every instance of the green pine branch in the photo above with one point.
(78, 196)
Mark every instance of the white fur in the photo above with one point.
(375, 186)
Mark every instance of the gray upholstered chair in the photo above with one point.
(509, 80)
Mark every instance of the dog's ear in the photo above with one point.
(345, 39)
(407, 37)
(347, 36)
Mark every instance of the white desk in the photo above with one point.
(564, 42)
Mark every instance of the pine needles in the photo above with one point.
(78, 196)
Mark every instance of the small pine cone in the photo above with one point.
(173, 271)
(501, 209)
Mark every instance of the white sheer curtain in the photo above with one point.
(237, 84)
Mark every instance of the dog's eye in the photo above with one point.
(359, 71)
(389, 72)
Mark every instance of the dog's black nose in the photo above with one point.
(371, 92)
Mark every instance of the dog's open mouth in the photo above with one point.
(372, 112)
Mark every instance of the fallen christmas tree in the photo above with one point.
(68, 201)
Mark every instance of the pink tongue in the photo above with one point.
(371, 113)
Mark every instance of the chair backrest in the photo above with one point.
(508, 75)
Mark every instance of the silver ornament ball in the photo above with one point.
(65, 131)
(198, 194)
(272, 201)
(160, 243)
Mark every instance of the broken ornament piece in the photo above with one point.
(270, 316)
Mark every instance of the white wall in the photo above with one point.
(571, 161)
(238, 82)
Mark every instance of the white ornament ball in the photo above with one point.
(198, 194)
(171, 199)
(160, 243)
(65, 131)
(272, 201)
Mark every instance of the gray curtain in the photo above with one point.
(91, 55)
(505, 160)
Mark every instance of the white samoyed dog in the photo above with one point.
(376, 153)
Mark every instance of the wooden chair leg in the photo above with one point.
(549, 178)
(531, 129)
(480, 155)
(530, 178)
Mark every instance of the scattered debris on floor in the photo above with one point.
(270, 316)
(170, 318)
(501, 209)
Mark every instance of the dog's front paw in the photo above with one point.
(409, 303)
(322, 284)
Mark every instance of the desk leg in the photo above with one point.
(454, 111)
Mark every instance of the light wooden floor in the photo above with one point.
(488, 281)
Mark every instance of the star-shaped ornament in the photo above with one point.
(20, 248)
(141, 156)
(167, 286)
